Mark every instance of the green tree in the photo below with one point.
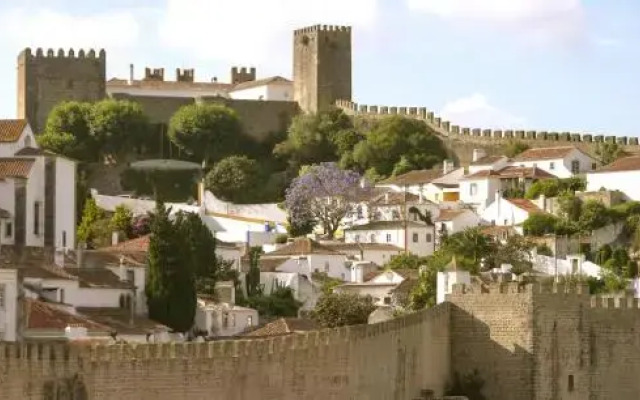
(515, 147)
(200, 252)
(392, 138)
(121, 221)
(516, 251)
(253, 276)
(594, 216)
(90, 216)
(118, 126)
(341, 309)
(424, 294)
(206, 131)
(170, 287)
(608, 152)
(234, 179)
(570, 206)
(280, 303)
(540, 224)
(406, 261)
(67, 131)
(554, 187)
(470, 247)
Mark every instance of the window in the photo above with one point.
(61, 291)
(357, 238)
(225, 320)
(575, 167)
(250, 320)
(36, 218)
(388, 238)
(373, 238)
(131, 276)
(395, 215)
(552, 165)
(429, 238)
(570, 383)
(2, 296)
(359, 212)
(64, 239)
(415, 238)
(473, 189)
(506, 222)
(437, 197)
(8, 229)
(387, 300)
(233, 320)
(342, 276)
(594, 165)
(415, 217)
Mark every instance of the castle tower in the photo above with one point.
(44, 80)
(321, 66)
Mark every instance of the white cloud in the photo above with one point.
(47, 28)
(253, 31)
(541, 21)
(475, 111)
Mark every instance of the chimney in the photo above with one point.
(447, 167)
(130, 74)
(478, 154)
(123, 270)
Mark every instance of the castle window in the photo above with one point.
(8, 229)
(570, 383)
(575, 167)
(415, 238)
(64, 239)
(429, 238)
(36, 218)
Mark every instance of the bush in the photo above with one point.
(234, 179)
(540, 224)
(544, 250)
(340, 309)
(553, 187)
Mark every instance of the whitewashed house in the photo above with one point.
(377, 253)
(509, 212)
(483, 162)
(9, 293)
(451, 275)
(37, 191)
(622, 174)
(380, 288)
(305, 290)
(561, 161)
(275, 88)
(450, 221)
(222, 316)
(415, 237)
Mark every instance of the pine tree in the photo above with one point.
(170, 290)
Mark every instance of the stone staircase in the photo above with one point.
(427, 394)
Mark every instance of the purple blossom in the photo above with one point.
(325, 194)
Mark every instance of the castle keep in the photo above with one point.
(322, 78)
(527, 342)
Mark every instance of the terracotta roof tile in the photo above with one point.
(138, 244)
(488, 160)
(11, 129)
(284, 326)
(15, 167)
(340, 247)
(98, 278)
(385, 225)
(119, 320)
(512, 172)
(526, 205)
(449, 214)
(394, 198)
(43, 315)
(621, 164)
(413, 177)
(545, 153)
(302, 246)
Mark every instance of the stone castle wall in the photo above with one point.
(391, 360)
(463, 140)
(48, 77)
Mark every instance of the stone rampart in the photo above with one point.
(391, 360)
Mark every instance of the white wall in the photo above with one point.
(560, 167)
(303, 290)
(504, 213)
(624, 181)
(9, 149)
(390, 277)
(155, 92)
(253, 93)
(463, 221)
(211, 318)
(378, 292)
(65, 206)
(229, 254)
(447, 279)
(7, 202)
(35, 192)
(396, 237)
(9, 304)
(495, 166)
(278, 91)
(333, 265)
(485, 191)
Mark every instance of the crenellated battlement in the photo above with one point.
(448, 129)
(536, 288)
(62, 54)
(322, 28)
(620, 303)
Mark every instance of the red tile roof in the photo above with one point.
(302, 246)
(394, 198)
(417, 177)
(512, 172)
(526, 205)
(138, 244)
(545, 153)
(488, 160)
(11, 129)
(43, 315)
(449, 214)
(622, 164)
(284, 326)
(15, 167)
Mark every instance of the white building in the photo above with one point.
(509, 212)
(9, 306)
(417, 238)
(482, 162)
(377, 253)
(380, 288)
(275, 88)
(37, 191)
(562, 161)
(305, 290)
(623, 175)
(452, 275)
(450, 221)
(223, 317)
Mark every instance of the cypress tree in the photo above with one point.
(201, 248)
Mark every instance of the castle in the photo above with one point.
(526, 341)
(322, 78)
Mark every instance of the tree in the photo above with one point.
(280, 303)
(341, 309)
(406, 261)
(395, 137)
(234, 179)
(554, 187)
(90, 216)
(206, 131)
(539, 224)
(516, 251)
(170, 287)
(201, 251)
(67, 131)
(326, 194)
(121, 221)
(594, 216)
(117, 126)
(140, 226)
(424, 294)
(470, 247)
(515, 147)
(608, 152)
(253, 276)
(570, 206)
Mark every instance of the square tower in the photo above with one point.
(321, 66)
(46, 79)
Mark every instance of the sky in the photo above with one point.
(555, 65)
